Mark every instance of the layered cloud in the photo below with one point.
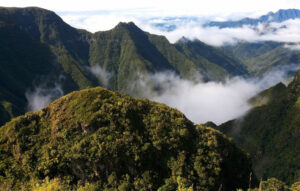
(213, 101)
(191, 27)
(200, 102)
(286, 32)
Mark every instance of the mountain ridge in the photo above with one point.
(279, 16)
(270, 132)
(124, 53)
(197, 50)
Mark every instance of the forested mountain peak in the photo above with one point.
(106, 140)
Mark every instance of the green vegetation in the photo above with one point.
(31, 40)
(268, 95)
(38, 46)
(96, 139)
(272, 184)
(22, 59)
(261, 57)
(270, 133)
(130, 53)
(295, 186)
(216, 63)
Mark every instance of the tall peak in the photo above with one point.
(126, 25)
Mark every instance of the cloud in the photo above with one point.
(101, 74)
(161, 8)
(190, 27)
(285, 32)
(212, 101)
(42, 95)
(276, 75)
(210, 35)
(293, 46)
(199, 101)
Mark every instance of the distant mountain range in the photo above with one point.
(172, 23)
(279, 16)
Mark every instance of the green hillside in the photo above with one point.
(39, 48)
(36, 47)
(262, 57)
(23, 60)
(270, 132)
(128, 52)
(273, 184)
(96, 139)
(99, 139)
(216, 63)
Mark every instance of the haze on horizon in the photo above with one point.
(162, 8)
(96, 16)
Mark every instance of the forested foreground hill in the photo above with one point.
(38, 49)
(271, 132)
(102, 140)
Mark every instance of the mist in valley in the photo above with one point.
(218, 102)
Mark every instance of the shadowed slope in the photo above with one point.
(270, 132)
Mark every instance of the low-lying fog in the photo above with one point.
(200, 102)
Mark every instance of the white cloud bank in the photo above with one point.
(285, 32)
(103, 15)
(213, 101)
(200, 102)
(191, 27)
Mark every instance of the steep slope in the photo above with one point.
(261, 57)
(39, 50)
(268, 95)
(215, 63)
(76, 49)
(279, 16)
(129, 53)
(22, 61)
(270, 133)
(35, 44)
(246, 50)
(69, 45)
(110, 140)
